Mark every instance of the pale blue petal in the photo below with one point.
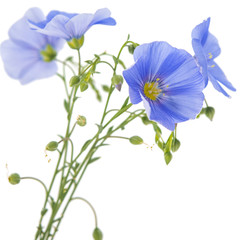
(211, 47)
(187, 76)
(217, 86)
(200, 32)
(39, 70)
(22, 34)
(54, 28)
(78, 25)
(200, 58)
(153, 55)
(102, 16)
(157, 114)
(135, 76)
(25, 64)
(217, 74)
(17, 59)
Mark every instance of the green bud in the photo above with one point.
(83, 86)
(105, 88)
(52, 146)
(81, 121)
(132, 47)
(175, 145)
(167, 157)
(210, 112)
(136, 140)
(75, 43)
(74, 80)
(48, 54)
(117, 80)
(146, 120)
(14, 178)
(97, 234)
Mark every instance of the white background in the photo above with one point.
(204, 193)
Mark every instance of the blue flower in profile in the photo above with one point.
(71, 26)
(168, 81)
(206, 48)
(29, 55)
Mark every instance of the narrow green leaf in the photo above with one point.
(93, 160)
(85, 145)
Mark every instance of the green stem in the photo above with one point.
(90, 205)
(206, 102)
(36, 179)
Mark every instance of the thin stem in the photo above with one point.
(105, 137)
(66, 64)
(36, 179)
(206, 102)
(90, 205)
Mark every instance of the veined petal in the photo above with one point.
(17, 59)
(39, 70)
(78, 25)
(135, 77)
(216, 72)
(22, 34)
(54, 28)
(157, 114)
(211, 47)
(217, 75)
(102, 16)
(187, 75)
(200, 32)
(200, 58)
(155, 53)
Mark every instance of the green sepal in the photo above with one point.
(167, 157)
(210, 111)
(168, 144)
(76, 43)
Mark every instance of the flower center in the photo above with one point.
(48, 54)
(151, 90)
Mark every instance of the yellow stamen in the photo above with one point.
(210, 55)
(151, 90)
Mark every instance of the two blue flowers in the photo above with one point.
(35, 40)
(169, 81)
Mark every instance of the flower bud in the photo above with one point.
(97, 234)
(48, 54)
(117, 80)
(136, 140)
(74, 80)
(210, 112)
(52, 146)
(81, 121)
(167, 157)
(132, 47)
(175, 145)
(146, 120)
(14, 178)
(75, 43)
(83, 86)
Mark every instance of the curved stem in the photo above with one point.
(66, 64)
(90, 205)
(38, 180)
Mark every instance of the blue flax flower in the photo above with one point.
(168, 81)
(206, 48)
(29, 55)
(71, 26)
